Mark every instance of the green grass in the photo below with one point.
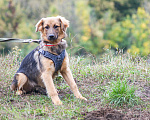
(94, 79)
(120, 93)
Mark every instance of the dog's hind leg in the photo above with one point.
(18, 83)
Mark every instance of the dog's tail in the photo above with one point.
(14, 83)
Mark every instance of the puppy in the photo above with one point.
(41, 65)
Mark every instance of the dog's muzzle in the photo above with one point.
(51, 37)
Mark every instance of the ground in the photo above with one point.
(92, 78)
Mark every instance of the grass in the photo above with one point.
(120, 93)
(94, 79)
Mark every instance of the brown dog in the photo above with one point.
(41, 65)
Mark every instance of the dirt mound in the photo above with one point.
(103, 114)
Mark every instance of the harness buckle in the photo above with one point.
(58, 58)
(42, 51)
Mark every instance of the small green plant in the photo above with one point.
(120, 93)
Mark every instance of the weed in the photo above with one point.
(120, 93)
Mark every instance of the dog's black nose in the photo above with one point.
(51, 36)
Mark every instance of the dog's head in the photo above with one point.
(52, 29)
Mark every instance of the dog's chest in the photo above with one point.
(57, 59)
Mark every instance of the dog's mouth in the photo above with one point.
(46, 42)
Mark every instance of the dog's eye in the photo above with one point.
(47, 27)
(55, 26)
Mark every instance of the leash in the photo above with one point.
(25, 41)
(19, 40)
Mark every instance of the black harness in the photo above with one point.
(57, 59)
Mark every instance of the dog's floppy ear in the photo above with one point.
(64, 23)
(39, 25)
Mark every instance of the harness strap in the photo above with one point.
(57, 59)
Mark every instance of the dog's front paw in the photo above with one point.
(57, 102)
(19, 92)
(81, 97)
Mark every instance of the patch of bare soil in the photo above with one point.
(103, 114)
(144, 93)
(111, 114)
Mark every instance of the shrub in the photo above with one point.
(132, 34)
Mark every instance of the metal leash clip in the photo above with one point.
(19, 40)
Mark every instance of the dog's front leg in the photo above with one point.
(66, 73)
(51, 91)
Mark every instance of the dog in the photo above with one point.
(43, 63)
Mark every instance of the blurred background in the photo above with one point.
(95, 25)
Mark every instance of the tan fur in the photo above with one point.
(51, 21)
(47, 72)
(22, 79)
